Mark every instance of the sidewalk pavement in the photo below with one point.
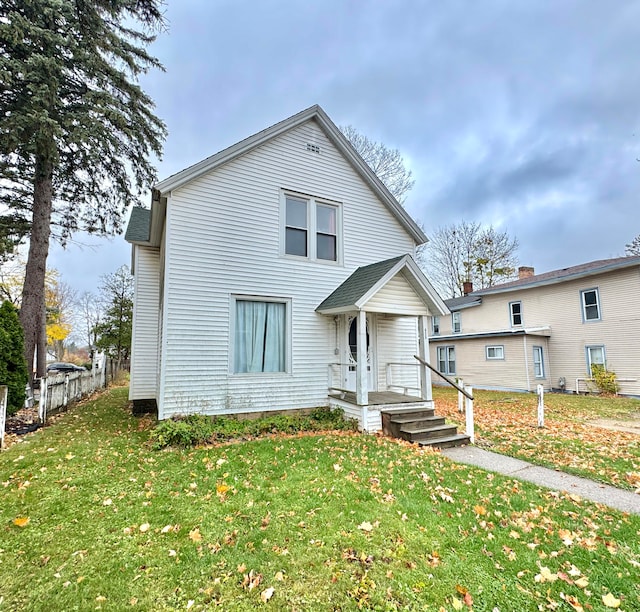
(626, 501)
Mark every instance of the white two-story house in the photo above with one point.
(278, 274)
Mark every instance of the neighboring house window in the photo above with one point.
(515, 308)
(456, 322)
(595, 356)
(435, 325)
(495, 352)
(260, 336)
(311, 228)
(447, 359)
(538, 362)
(590, 305)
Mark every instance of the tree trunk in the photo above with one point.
(32, 310)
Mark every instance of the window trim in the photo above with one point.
(512, 314)
(587, 350)
(287, 301)
(494, 347)
(313, 202)
(456, 317)
(540, 350)
(583, 303)
(447, 348)
(435, 325)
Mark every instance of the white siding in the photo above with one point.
(144, 342)
(224, 232)
(397, 343)
(397, 296)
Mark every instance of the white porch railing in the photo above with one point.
(392, 372)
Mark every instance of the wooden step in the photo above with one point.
(446, 441)
(418, 434)
(431, 419)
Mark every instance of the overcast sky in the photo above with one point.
(524, 115)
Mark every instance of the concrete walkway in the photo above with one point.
(626, 501)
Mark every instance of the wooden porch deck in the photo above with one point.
(377, 398)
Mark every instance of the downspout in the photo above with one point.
(526, 361)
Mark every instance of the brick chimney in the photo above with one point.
(467, 287)
(525, 272)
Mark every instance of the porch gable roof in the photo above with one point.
(365, 282)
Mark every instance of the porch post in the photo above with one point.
(423, 353)
(362, 378)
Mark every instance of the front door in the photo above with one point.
(351, 349)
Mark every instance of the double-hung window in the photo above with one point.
(590, 305)
(494, 352)
(515, 310)
(311, 228)
(261, 336)
(538, 362)
(435, 325)
(447, 359)
(456, 322)
(595, 356)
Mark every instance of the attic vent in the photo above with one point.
(313, 148)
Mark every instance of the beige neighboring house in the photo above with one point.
(545, 329)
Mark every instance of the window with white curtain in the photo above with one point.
(260, 336)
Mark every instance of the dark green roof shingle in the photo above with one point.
(357, 285)
(139, 227)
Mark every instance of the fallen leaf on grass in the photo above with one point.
(267, 594)
(457, 604)
(610, 601)
(545, 575)
(279, 576)
(195, 535)
(144, 527)
(21, 521)
(366, 526)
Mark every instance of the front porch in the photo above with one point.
(399, 415)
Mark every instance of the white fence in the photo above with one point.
(58, 390)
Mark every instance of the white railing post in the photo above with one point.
(469, 415)
(65, 395)
(460, 397)
(4, 394)
(540, 390)
(42, 405)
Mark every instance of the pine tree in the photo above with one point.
(13, 369)
(76, 129)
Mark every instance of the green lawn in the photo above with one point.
(507, 423)
(333, 521)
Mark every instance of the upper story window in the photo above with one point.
(435, 325)
(446, 359)
(515, 310)
(456, 322)
(311, 229)
(590, 305)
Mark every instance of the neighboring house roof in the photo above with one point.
(139, 227)
(354, 293)
(500, 333)
(564, 274)
(333, 134)
(466, 301)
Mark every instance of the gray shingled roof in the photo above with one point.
(139, 227)
(357, 285)
(463, 302)
(586, 269)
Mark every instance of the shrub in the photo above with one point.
(13, 369)
(605, 380)
(198, 429)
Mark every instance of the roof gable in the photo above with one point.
(335, 136)
(365, 282)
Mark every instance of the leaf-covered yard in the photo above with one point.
(570, 440)
(92, 518)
